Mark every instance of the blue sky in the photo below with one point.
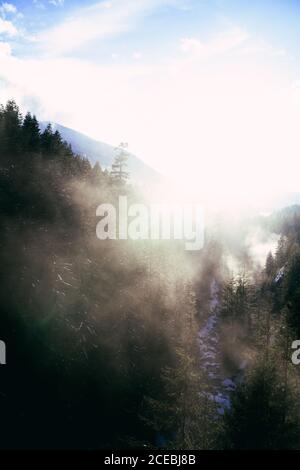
(163, 21)
(159, 22)
(211, 83)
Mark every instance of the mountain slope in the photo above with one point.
(103, 153)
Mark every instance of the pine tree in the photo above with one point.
(31, 140)
(118, 171)
(185, 416)
(46, 141)
(291, 287)
(260, 417)
(97, 174)
(270, 265)
(11, 122)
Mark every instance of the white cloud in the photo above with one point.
(8, 8)
(5, 49)
(137, 55)
(220, 125)
(7, 27)
(95, 22)
(221, 43)
(57, 3)
(40, 5)
(233, 40)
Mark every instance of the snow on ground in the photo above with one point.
(279, 275)
(210, 354)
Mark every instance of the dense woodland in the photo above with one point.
(134, 344)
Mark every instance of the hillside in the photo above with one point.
(103, 153)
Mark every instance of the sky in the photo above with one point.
(205, 91)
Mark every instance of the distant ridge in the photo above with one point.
(96, 151)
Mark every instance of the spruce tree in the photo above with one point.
(118, 171)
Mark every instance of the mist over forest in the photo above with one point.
(137, 344)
